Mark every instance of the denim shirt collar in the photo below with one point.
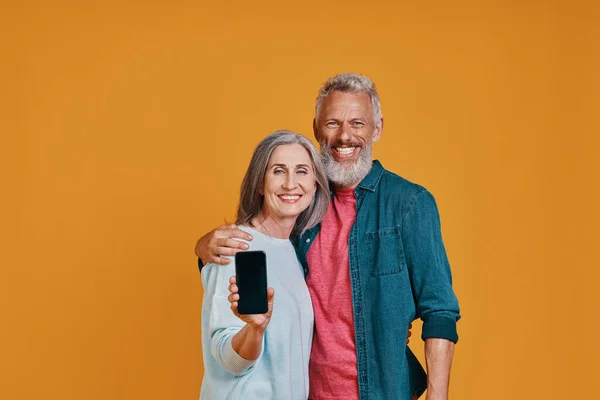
(371, 181)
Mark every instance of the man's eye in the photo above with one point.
(331, 123)
(358, 123)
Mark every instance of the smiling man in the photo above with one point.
(375, 263)
(345, 129)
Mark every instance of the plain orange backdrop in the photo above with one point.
(126, 128)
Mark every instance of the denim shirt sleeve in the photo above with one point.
(429, 270)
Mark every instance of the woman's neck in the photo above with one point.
(280, 228)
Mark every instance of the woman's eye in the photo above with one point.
(302, 171)
(278, 171)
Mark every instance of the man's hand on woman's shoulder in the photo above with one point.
(221, 242)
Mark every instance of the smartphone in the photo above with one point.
(251, 276)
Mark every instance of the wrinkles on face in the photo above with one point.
(345, 131)
(288, 187)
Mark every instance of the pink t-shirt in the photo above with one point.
(333, 371)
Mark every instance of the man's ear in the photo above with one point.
(315, 129)
(378, 131)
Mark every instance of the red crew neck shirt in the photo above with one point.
(333, 371)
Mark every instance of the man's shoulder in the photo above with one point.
(399, 186)
(405, 195)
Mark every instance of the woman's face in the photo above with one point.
(290, 183)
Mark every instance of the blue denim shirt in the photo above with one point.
(399, 272)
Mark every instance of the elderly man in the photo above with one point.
(376, 263)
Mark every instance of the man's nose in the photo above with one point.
(344, 134)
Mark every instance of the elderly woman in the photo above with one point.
(266, 356)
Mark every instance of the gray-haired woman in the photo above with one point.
(284, 193)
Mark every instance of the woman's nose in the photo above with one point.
(290, 182)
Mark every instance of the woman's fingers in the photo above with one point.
(232, 285)
(257, 319)
(233, 297)
(233, 289)
(270, 297)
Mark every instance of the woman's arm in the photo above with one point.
(219, 324)
(248, 341)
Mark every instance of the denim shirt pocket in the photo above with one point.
(385, 251)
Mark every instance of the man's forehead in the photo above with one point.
(358, 102)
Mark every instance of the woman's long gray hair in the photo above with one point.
(251, 201)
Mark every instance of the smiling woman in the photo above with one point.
(283, 193)
(289, 187)
(294, 155)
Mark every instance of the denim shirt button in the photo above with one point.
(307, 240)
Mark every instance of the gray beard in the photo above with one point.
(347, 175)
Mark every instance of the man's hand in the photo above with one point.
(221, 241)
(409, 334)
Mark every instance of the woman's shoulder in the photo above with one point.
(212, 273)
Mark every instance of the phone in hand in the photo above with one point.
(251, 277)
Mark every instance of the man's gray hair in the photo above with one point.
(354, 83)
(251, 201)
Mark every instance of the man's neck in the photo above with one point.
(345, 187)
(351, 186)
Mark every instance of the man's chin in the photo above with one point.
(345, 162)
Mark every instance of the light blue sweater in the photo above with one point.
(281, 371)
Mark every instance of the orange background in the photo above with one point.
(127, 127)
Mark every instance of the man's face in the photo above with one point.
(345, 130)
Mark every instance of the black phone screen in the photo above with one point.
(251, 276)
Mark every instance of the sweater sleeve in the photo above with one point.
(222, 323)
(429, 269)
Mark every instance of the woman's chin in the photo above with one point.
(291, 212)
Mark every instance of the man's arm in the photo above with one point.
(431, 281)
(221, 242)
(438, 357)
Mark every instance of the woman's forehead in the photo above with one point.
(290, 154)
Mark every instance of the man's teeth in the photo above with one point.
(296, 197)
(345, 150)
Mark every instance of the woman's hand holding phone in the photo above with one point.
(256, 321)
